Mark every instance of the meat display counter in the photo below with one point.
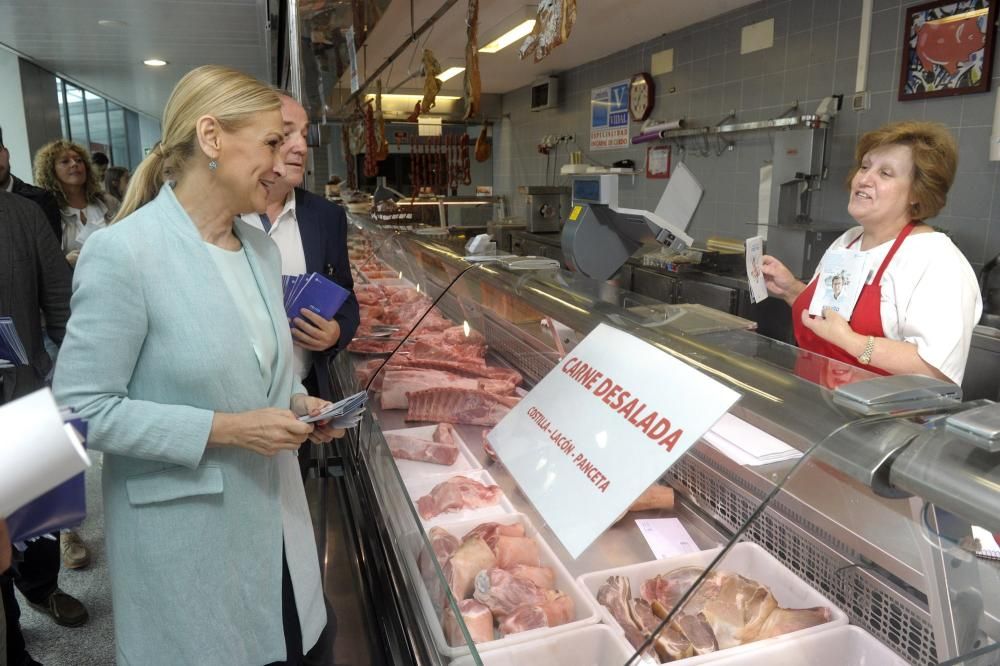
(856, 507)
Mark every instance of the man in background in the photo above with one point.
(34, 280)
(11, 183)
(311, 234)
(101, 164)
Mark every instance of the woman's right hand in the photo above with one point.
(779, 280)
(265, 431)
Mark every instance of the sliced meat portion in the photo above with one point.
(452, 405)
(397, 383)
(667, 589)
(503, 593)
(698, 632)
(543, 577)
(478, 621)
(444, 544)
(739, 601)
(456, 494)
(616, 595)
(786, 620)
(488, 448)
(512, 550)
(471, 558)
(490, 532)
(556, 611)
(410, 447)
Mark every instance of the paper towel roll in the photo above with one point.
(37, 452)
(663, 126)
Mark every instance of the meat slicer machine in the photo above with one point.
(599, 236)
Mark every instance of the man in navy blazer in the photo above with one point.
(311, 234)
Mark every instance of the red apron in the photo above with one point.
(866, 320)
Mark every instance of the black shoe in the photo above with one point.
(64, 609)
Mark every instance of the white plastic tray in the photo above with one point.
(745, 558)
(594, 645)
(411, 470)
(584, 604)
(420, 487)
(841, 646)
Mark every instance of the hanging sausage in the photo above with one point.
(466, 170)
(371, 147)
(473, 86)
(381, 142)
(483, 148)
(345, 139)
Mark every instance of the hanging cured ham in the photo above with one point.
(432, 86)
(473, 86)
(381, 142)
(552, 27)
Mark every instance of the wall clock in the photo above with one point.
(641, 95)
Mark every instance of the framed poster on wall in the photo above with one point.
(947, 48)
(658, 162)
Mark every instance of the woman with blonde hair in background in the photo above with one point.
(179, 355)
(64, 168)
(116, 181)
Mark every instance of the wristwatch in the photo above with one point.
(866, 355)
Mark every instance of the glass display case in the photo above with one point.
(827, 518)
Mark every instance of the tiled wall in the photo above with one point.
(814, 55)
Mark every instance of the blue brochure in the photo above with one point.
(317, 293)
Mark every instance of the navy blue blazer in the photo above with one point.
(323, 227)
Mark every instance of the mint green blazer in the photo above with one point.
(153, 348)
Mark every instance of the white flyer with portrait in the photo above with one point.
(839, 281)
(755, 274)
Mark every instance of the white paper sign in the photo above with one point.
(755, 261)
(666, 537)
(601, 428)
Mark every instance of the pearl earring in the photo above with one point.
(213, 165)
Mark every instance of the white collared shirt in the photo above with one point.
(75, 231)
(10, 184)
(285, 234)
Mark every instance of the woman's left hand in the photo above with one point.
(303, 404)
(831, 327)
(313, 332)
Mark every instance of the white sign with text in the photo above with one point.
(603, 426)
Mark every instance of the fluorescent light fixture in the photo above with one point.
(407, 97)
(111, 23)
(509, 37)
(154, 62)
(450, 73)
(510, 29)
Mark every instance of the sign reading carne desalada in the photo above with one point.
(602, 427)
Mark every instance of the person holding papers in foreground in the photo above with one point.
(179, 355)
(893, 296)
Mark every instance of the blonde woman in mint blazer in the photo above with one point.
(179, 354)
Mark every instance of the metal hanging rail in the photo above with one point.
(413, 37)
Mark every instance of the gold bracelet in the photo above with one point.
(866, 355)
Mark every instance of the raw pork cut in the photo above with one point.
(543, 577)
(786, 620)
(556, 611)
(397, 383)
(451, 405)
(616, 596)
(478, 621)
(440, 450)
(490, 532)
(512, 550)
(456, 494)
(503, 593)
(657, 496)
(471, 558)
(738, 611)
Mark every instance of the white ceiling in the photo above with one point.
(63, 36)
(602, 27)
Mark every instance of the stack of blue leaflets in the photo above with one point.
(11, 350)
(344, 414)
(314, 292)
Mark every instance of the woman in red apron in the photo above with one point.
(901, 177)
